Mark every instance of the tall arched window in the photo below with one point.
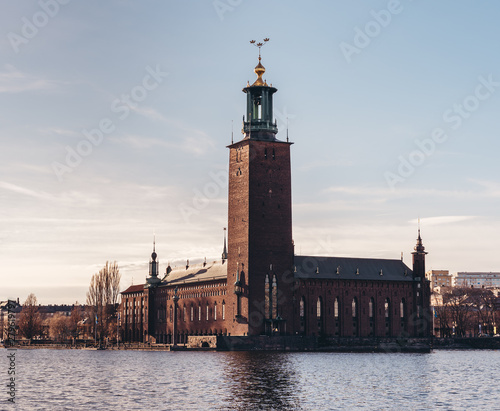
(402, 314)
(371, 304)
(223, 310)
(215, 311)
(192, 312)
(354, 305)
(319, 313)
(302, 314)
(336, 308)
(387, 307)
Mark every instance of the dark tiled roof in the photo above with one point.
(346, 268)
(134, 289)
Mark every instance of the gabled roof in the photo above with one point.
(215, 270)
(347, 268)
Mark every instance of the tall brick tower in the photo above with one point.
(260, 247)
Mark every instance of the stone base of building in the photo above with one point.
(472, 343)
(328, 344)
(202, 341)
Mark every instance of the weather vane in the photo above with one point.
(259, 45)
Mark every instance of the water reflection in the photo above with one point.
(262, 380)
(129, 380)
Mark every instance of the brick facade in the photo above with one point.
(261, 286)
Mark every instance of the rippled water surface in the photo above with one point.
(130, 380)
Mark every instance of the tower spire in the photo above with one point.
(153, 279)
(224, 250)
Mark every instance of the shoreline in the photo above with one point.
(297, 344)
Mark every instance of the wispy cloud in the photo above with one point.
(140, 142)
(440, 220)
(383, 192)
(491, 188)
(72, 197)
(13, 80)
(193, 141)
(41, 195)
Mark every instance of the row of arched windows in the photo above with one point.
(198, 313)
(354, 308)
(355, 314)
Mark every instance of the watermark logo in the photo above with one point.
(31, 27)
(202, 197)
(11, 351)
(122, 107)
(454, 117)
(363, 36)
(225, 6)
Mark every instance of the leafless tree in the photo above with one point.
(483, 301)
(74, 319)
(102, 298)
(460, 309)
(59, 328)
(30, 321)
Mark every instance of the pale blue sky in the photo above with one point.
(354, 117)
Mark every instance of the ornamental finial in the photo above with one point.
(259, 69)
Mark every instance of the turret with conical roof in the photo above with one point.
(419, 259)
(153, 279)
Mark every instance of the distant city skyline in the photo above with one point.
(115, 119)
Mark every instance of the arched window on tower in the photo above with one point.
(274, 298)
(215, 311)
(267, 298)
(223, 310)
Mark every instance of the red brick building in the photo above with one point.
(260, 286)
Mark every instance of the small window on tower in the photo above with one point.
(274, 154)
(265, 153)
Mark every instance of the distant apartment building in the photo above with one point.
(478, 280)
(439, 278)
